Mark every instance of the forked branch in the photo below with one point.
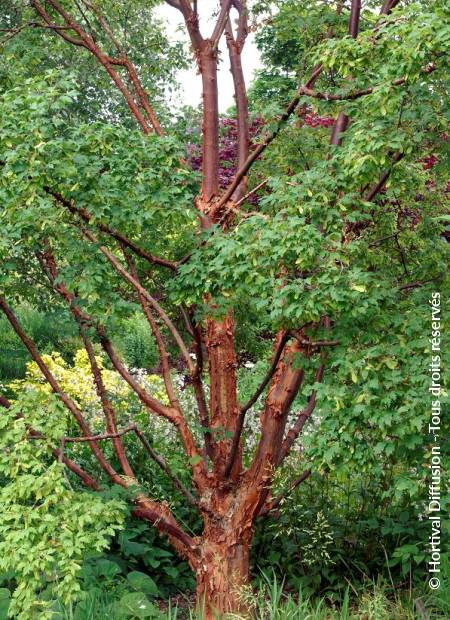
(132, 428)
(85, 320)
(142, 291)
(84, 215)
(86, 479)
(146, 118)
(57, 389)
(251, 402)
(273, 505)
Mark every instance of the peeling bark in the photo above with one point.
(222, 575)
(224, 409)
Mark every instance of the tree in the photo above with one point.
(112, 218)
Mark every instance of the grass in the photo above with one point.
(372, 601)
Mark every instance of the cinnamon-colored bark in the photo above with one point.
(235, 46)
(229, 497)
(341, 122)
(223, 569)
(224, 409)
(210, 152)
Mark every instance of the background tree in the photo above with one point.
(345, 239)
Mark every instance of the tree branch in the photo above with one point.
(86, 41)
(149, 510)
(86, 216)
(65, 398)
(84, 320)
(59, 29)
(284, 387)
(174, 3)
(341, 122)
(356, 94)
(132, 428)
(353, 26)
(256, 153)
(302, 418)
(277, 500)
(107, 407)
(160, 516)
(163, 355)
(76, 469)
(104, 24)
(100, 436)
(165, 468)
(269, 374)
(219, 27)
(251, 192)
(173, 415)
(376, 189)
(314, 344)
(191, 21)
(241, 418)
(142, 291)
(388, 5)
(240, 94)
(199, 391)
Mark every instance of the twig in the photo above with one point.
(86, 216)
(251, 192)
(76, 469)
(277, 501)
(100, 437)
(65, 398)
(163, 465)
(416, 284)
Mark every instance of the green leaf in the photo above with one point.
(195, 460)
(142, 583)
(5, 596)
(390, 362)
(358, 287)
(105, 568)
(136, 605)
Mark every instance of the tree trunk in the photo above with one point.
(223, 573)
(223, 392)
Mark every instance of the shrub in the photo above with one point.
(136, 343)
(49, 330)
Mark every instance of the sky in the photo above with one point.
(191, 87)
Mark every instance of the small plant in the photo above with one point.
(45, 526)
(136, 343)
